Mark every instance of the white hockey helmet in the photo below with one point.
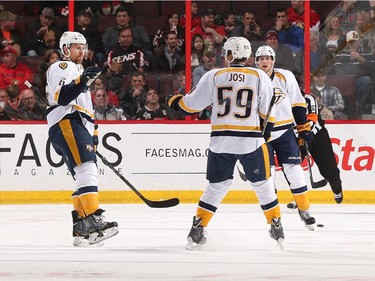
(265, 51)
(70, 37)
(239, 47)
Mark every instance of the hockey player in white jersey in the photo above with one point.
(74, 136)
(288, 110)
(238, 110)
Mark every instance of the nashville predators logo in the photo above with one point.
(89, 148)
(63, 65)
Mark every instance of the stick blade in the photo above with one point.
(318, 184)
(162, 204)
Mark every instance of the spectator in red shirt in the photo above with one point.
(296, 15)
(12, 72)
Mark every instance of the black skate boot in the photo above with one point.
(99, 229)
(339, 197)
(307, 219)
(197, 236)
(79, 230)
(277, 231)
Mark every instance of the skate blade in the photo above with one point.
(97, 237)
(192, 246)
(84, 242)
(280, 243)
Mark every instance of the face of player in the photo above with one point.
(77, 53)
(265, 63)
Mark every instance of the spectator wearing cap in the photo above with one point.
(141, 38)
(248, 28)
(9, 35)
(212, 34)
(153, 110)
(289, 34)
(168, 58)
(284, 55)
(85, 26)
(11, 71)
(43, 34)
(354, 60)
(209, 63)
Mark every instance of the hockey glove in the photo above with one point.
(304, 131)
(95, 136)
(89, 75)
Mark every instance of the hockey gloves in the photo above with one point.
(304, 131)
(95, 137)
(90, 74)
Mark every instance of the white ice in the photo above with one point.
(36, 244)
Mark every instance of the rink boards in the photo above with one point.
(163, 160)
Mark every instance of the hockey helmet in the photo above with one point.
(265, 51)
(70, 37)
(239, 47)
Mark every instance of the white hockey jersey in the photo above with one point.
(238, 96)
(59, 74)
(284, 116)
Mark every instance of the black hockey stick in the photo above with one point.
(314, 184)
(242, 175)
(153, 204)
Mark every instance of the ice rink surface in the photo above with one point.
(36, 244)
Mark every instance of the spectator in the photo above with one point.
(8, 34)
(168, 58)
(197, 50)
(12, 72)
(51, 56)
(213, 35)
(296, 15)
(355, 61)
(153, 110)
(329, 98)
(332, 38)
(135, 98)
(29, 108)
(104, 111)
(289, 34)
(7, 113)
(141, 39)
(90, 31)
(195, 18)
(209, 63)
(127, 57)
(346, 11)
(172, 24)
(42, 35)
(14, 98)
(366, 30)
(102, 83)
(229, 22)
(283, 53)
(248, 28)
(181, 83)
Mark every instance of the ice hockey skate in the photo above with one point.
(98, 229)
(80, 234)
(338, 197)
(307, 219)
(197, 236)
(277, 231)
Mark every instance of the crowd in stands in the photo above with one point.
(142, 68)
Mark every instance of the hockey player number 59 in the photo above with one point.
(243, 98)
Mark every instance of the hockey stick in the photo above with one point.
(242, 175)
(314, 184)
(153, 204)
